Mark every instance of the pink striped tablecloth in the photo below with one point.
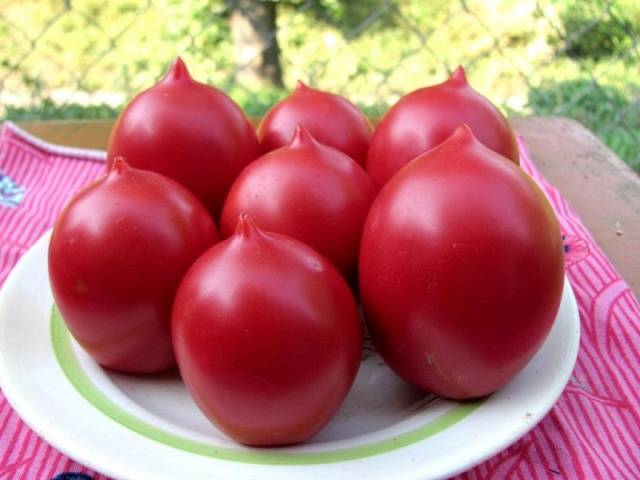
(592, 432)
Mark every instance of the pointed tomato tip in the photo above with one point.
(178, 70)
(300, 86)
(459, 77)
(463, 133)
(119, 165)
(301, 138)
(246, 227)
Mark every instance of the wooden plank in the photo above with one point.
(73, 133)
(601, 188)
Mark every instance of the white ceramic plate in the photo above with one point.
(149, 428)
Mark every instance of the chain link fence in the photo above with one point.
(86, 58)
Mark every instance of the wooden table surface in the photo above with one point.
(601, 188)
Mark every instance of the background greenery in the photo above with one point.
(86, 58)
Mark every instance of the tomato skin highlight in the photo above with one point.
(330, 118)
(309, 191)
(117, 254)
(188, 131)
(461, 269)
(267, 337)
(426, 117)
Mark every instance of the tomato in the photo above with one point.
(426, 117)
(461, 269)
(188, 131)
(117, 254)
(308, 191)
(267, 337)
(330, 118)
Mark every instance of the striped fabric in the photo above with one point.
(592, 432)
(48, 177)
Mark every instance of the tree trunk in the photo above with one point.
(255, 42)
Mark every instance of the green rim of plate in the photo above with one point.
(61, 340)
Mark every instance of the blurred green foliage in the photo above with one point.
(354, 17)
(598, 28)
(549, 57)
